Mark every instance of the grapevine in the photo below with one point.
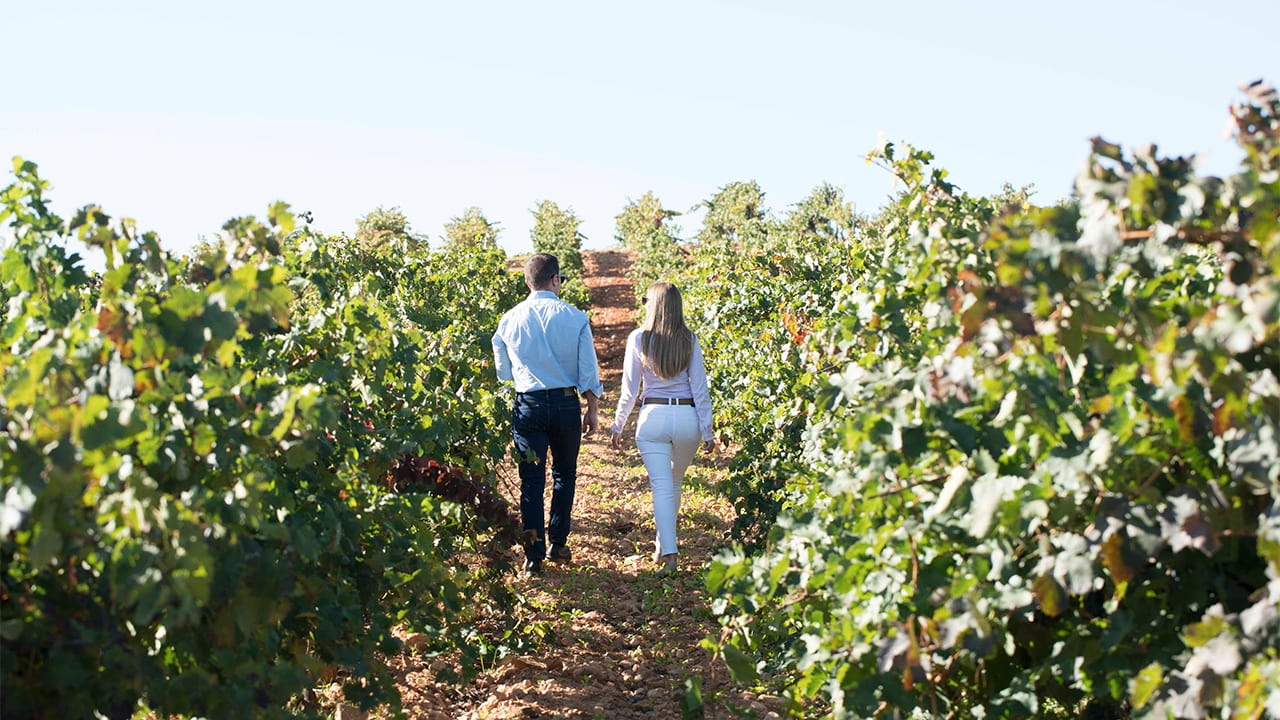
(1036, 465)
(195, 517)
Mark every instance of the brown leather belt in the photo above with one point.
(668, 401)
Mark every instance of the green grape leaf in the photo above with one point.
(740, 664)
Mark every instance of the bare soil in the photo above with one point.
(623, 640)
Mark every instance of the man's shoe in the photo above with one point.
(560, 553)
(532, 567)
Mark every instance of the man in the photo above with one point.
(543, 346)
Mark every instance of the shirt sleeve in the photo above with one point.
(630, 383)
(501, 360)
(588, 366)
(701, 393)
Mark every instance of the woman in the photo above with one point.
(663, 370)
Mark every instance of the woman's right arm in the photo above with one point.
(630, 383)
(701, 393)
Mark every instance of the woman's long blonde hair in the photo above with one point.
(666, 342)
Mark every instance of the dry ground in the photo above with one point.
(623, 640)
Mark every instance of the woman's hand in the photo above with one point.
(615, 442)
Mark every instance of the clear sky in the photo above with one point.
(182, 115)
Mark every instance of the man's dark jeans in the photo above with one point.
(543, 420)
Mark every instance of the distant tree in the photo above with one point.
(382, 226)
(645, 227)
(824, 213)
(643, 220)
(472, 230)
(735, 217)
(556, 231)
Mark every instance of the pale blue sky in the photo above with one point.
(182, 116)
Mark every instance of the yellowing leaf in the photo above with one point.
(1145, 684)
(1049, 595)
(1113, 559)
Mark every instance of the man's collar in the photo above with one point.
(543, 294)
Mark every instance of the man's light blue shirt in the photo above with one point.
(544, 343)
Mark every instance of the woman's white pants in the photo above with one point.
(667, 437)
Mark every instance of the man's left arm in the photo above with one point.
(501, 360)
(589, 380)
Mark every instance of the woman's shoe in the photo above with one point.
(668, 565)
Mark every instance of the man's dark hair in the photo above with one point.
(539, 270)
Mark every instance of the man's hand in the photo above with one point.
(708, 446)
(590, 422)
(615, 442)
(591, 418)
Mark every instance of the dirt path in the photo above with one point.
(622, 639)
